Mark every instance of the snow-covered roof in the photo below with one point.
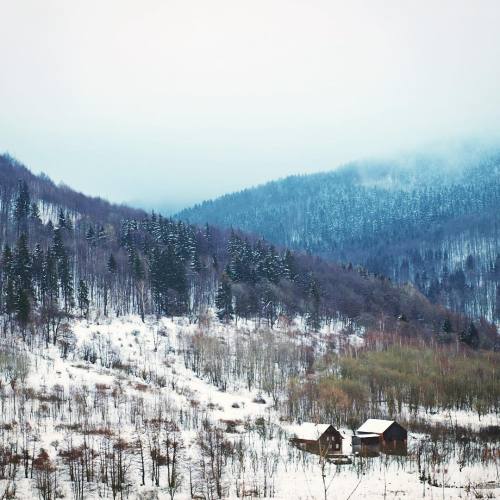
(376, 426)
(309, 431)
(368, 435)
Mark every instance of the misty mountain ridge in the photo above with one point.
(127, 334)
(126, 261)
(431, 219)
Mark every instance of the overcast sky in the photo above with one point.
(169, 102)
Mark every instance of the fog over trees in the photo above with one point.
(146, 357)
(428, 219)
(64, 253)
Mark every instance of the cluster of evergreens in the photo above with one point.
(64, 255)
(436, 227)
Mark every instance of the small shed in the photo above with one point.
(318, 438)
(387, 431)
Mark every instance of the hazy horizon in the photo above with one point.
(169, 103)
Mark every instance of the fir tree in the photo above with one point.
(101, 235)
(90, 236)
(66, 282)
(37, 263)
(168, 282)
(445, 335)
(10, 298)
(224, 300)
(57, 244)
(8, 289)
(50, 280)
(35, 213)
(137, 267)
(111, 265)
(22, 266)
(83, 298)
(447, 328)
(22, 207)
(23, 308)
(290, 266)
(61, 219)
(69, 223)
(313, 317)
(470, 336)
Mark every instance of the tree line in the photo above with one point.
(426, 224)
(58, 262)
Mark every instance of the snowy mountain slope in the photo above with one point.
(426, 218)
(141, 357)
(138, 378)
(60, 245)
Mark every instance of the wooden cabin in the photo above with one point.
(318, 438)
(383, 431)
(368, 439)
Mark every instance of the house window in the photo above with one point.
(337, 446)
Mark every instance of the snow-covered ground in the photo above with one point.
(140, 371)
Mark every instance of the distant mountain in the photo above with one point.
(430, 219)
(65, 254)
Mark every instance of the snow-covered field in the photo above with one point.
(123, 375)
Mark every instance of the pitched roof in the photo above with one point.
(376, 426)
(309, 431)
(364, 435)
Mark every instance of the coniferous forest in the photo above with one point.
(146, 357)
(425, 219)
(64, 253)
(249, 250)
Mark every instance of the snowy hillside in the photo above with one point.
(116, 399)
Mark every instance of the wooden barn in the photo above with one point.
(318, 438)
(382, 431)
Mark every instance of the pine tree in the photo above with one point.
(445, 335)
(8, 304)
(83, 298)
(447, 328)
(90, 236)
(22, 207)
(168, 281)
(139, 274)
(111, 265)
(470, 336)
(224, 300)
(23, 308)
(57, 244)
(313, 317)
(10, 298)
(37, 264)
(469, 262)
(101, 235)
(50, 281)
(61, 220)
(137, 267)
(23, 267)
(69, 223)
(268, 301)
(290, 266)
(66, 282)
(35, 214)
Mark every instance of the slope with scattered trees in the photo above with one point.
(427, 220)
(88, 253)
